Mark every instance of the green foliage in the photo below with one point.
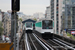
(20, 19)
(70, 35)
(0, 24)
(35, 19)
(1, 29)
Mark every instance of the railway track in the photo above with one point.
(27, 44)
(66, 45)
(34, 42)
(55, 45)
(52, 44)
(59, 44)
(36, 45)
(43, 43)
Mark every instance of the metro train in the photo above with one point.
(29, 27)
(45, 28)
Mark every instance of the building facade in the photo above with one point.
(56, 14)
(73, 17)
(38, 15)
(0, 15)
(68, 14)
(19, 26)
(7, 23)
(48, 14)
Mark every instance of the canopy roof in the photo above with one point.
(28, 20)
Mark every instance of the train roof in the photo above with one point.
(44, 19)
(28, 20)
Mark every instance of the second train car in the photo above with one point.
(45, 28)
(29, 27)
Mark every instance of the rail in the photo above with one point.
(27, 42)
(43, 44)
(33, 42)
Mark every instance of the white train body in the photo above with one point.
(45, 28)
(28, 26)
(39, 27)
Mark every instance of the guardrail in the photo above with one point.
(65, 39)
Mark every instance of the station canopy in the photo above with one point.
(29, 20)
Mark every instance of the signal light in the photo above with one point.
(15, 5)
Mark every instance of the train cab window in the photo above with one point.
(47, 24)
(29, 25)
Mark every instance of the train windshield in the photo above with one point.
(47, 24)
(29, 25)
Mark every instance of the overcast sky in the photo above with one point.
(28, 7)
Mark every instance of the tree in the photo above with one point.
(35, 19)
(1, 29)
(20, 19)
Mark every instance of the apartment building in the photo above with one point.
(56, 14)
(7, 23)
(48, 13)
(19, 26)
(38, 15)
(68, 14)
(0, 15)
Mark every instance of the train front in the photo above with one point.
(47, 29)
(29, 27)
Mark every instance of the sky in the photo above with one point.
(28, 7)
